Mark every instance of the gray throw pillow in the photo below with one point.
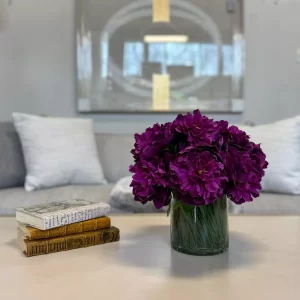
(12, 166)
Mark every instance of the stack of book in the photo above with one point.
(62, 226)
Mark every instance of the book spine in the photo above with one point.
(90, 225)
(71, 242)
(74, 216)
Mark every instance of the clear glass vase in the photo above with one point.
(199, 230)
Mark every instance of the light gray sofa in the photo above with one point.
(114, 153)
(115, 157)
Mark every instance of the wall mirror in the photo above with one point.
(143, 56)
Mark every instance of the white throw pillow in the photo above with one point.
(58, 151)
(281, 143)
(121, 197)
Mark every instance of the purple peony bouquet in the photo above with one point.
(197, 159)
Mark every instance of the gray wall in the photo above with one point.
(36, 59)
(272, 87)
(37, 64)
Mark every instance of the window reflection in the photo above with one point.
(134, 55)
(201, 57)
(84, 56)
(227, 52)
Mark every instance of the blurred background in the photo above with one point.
(233, 59)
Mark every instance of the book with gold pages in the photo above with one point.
(69, 242)
(32, 233)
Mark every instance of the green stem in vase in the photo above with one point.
(199, 230)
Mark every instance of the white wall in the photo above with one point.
(272, 88)
(37, 64)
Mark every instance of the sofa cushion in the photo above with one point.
(12, 167)
(114, 152)
(270, 204)
(12, 198)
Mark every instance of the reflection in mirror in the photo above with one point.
(176, 56)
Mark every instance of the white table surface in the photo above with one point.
(263, 262)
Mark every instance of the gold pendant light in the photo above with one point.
(161, 30)
(161, 11)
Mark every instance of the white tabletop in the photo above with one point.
(263, 262)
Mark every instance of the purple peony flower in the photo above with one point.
(198, 129)
(149, 184)
(198, 176)
(152, 141)
(197, 159)
(245, 164)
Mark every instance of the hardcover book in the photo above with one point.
(90, 225)
(70, 242)
(56, 214)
